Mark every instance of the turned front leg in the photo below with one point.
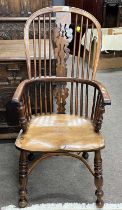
(98, 179)
(23, 167)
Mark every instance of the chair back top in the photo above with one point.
(69, 35)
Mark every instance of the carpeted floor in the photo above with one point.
(63, 179)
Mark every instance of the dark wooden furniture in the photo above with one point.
(14, 50)
(112, 13)
(72, 124)
(21, 7)
(12, 72)
(94, 7)
(13, 15)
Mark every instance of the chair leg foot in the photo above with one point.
(23, 169)
(99, 204)
(85, 155)
(98, 179)
(22, 204)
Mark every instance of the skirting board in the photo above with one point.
(66, 206)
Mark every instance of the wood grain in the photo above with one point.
(21, 7)
(60, 132)
(9, 50)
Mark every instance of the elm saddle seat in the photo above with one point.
(55, 132)
(60, 115)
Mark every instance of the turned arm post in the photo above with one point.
(21, 98)
(103, 99)
(98, 118)
(22, 117)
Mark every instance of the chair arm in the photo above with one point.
(19, 91)
(104, 93)
(106, 98)
(15, 108)
(102, 100)
(94, 83)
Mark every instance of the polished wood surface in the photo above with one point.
(60, 132)
(15, 50)
(69, 118)
(21, 87)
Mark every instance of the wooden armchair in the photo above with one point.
(60, 114)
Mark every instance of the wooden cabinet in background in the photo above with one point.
(13, 14)
(21, 7)
(95, 7)
(12, 71)
(112, 13)
(76, 3)
(11, 74)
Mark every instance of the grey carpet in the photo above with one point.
(63, 179)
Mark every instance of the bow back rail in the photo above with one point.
(58, 36)
(32, 99)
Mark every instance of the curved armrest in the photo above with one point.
(13, 107)
(104, 93)
(106, 98)
(100, 105)
(19, 91)
(21, 100)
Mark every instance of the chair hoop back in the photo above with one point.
(43, 35)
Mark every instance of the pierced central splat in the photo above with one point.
(62, 37)
(61, 93)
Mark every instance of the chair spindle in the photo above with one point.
(44, 47)
(34, 49)
(39, 47)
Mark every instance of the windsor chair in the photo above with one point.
(60, 115)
